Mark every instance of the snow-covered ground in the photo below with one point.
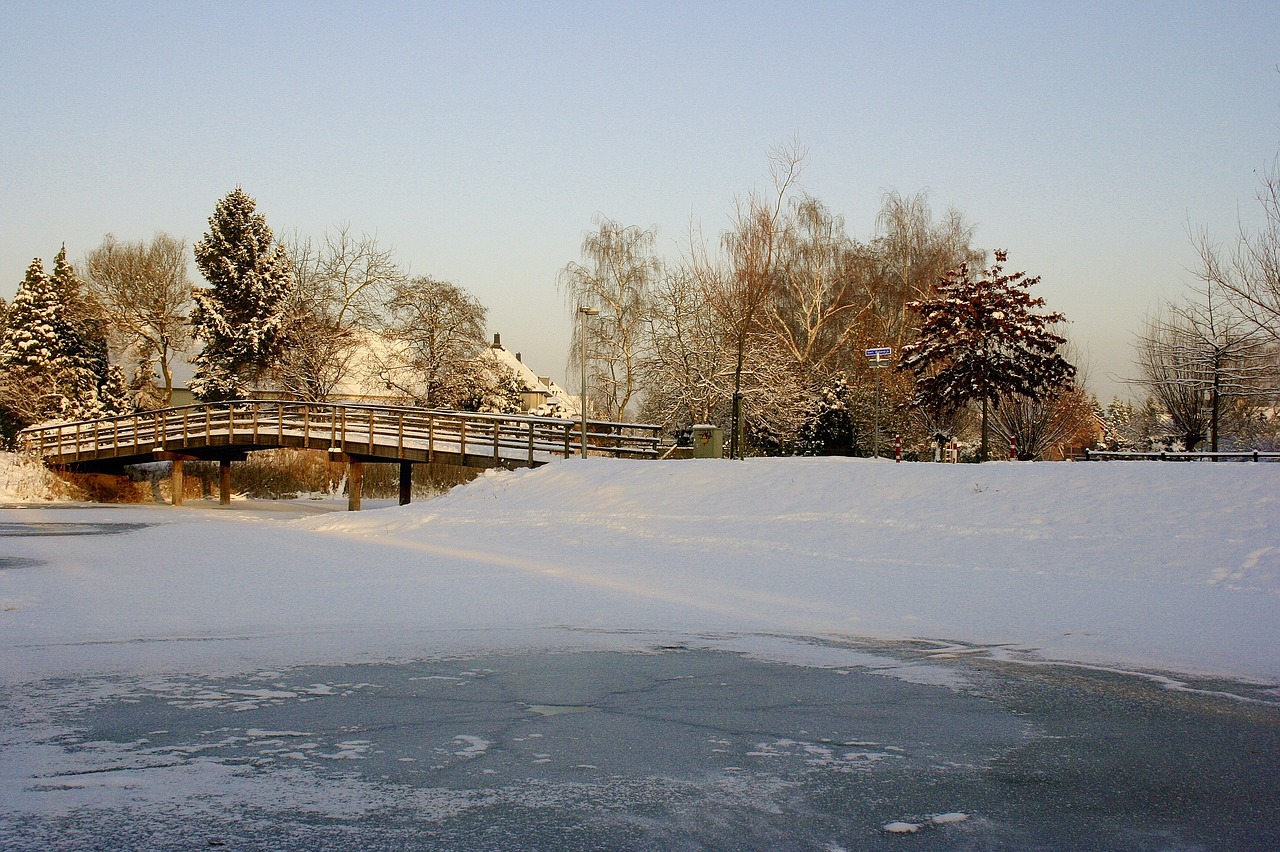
(24, 478)
(1138, 565)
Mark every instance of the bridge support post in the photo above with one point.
(224, 482)
(175, 481)
(406, 482)
(355, 478)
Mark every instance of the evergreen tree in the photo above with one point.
(829, 426)
(982, 340)
(99, 385)
(53, 355)
(34, 327)
(240, 317)
(489, 387)
(80, 309)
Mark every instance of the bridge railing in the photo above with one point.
(374, 430)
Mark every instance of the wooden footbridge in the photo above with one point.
(226, 431)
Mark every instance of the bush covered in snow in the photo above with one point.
(23, 478)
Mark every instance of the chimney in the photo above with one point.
(519, 359)
(497, 340)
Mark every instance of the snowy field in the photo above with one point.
(689, 654)
(1158, 567)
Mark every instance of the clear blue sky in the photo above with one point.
(479, 139)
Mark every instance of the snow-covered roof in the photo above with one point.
(557, 401)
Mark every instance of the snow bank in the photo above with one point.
(1171, 567)
(23, 479)
(1139, 563)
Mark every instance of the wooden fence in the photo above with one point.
(1246, 455)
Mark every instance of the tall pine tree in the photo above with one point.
(240, 317)
(53, 355)
(34, 324)
(101, 390)
(982, 340)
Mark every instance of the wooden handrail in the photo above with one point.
(393, 430)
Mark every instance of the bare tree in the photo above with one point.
(821, 295)
(340, 288)
(1195, 357)
(1054, 421)
(1249, 273)
(914, 253)
(691, 363)
(687, 368)
(620, 269)
(145, 291)
(741, 292)
(436, 333)
(1043, 424)
(1172, 377)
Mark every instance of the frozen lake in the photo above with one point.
(672, 749)
(640, 656)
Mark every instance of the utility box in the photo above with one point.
(708, 441)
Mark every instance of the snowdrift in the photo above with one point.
(1164, 567)
(24, 479)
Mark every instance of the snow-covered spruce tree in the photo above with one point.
(101, 390)
(53, 355)
(830, 427)
(34, 326)
(239, 318)
(28, 389)
(492, 388)
(981, 340)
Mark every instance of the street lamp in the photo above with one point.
(584, 312)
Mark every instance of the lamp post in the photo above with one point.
(584, 312)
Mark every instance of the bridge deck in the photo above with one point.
(225, 430)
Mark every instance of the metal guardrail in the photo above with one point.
(372, 431)
(1246, 455)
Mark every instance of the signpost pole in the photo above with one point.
(875, 436)
(879, 358)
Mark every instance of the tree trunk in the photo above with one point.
(982, 450)
(168, 379)
(1213, 413)
(735, 440)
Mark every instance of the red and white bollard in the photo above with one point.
(897, 448)
(1013, 448)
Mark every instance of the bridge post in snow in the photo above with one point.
(406, 482)
(224, 482)
(355, 478)
(175, 481)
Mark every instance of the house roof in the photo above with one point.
(558, 401)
